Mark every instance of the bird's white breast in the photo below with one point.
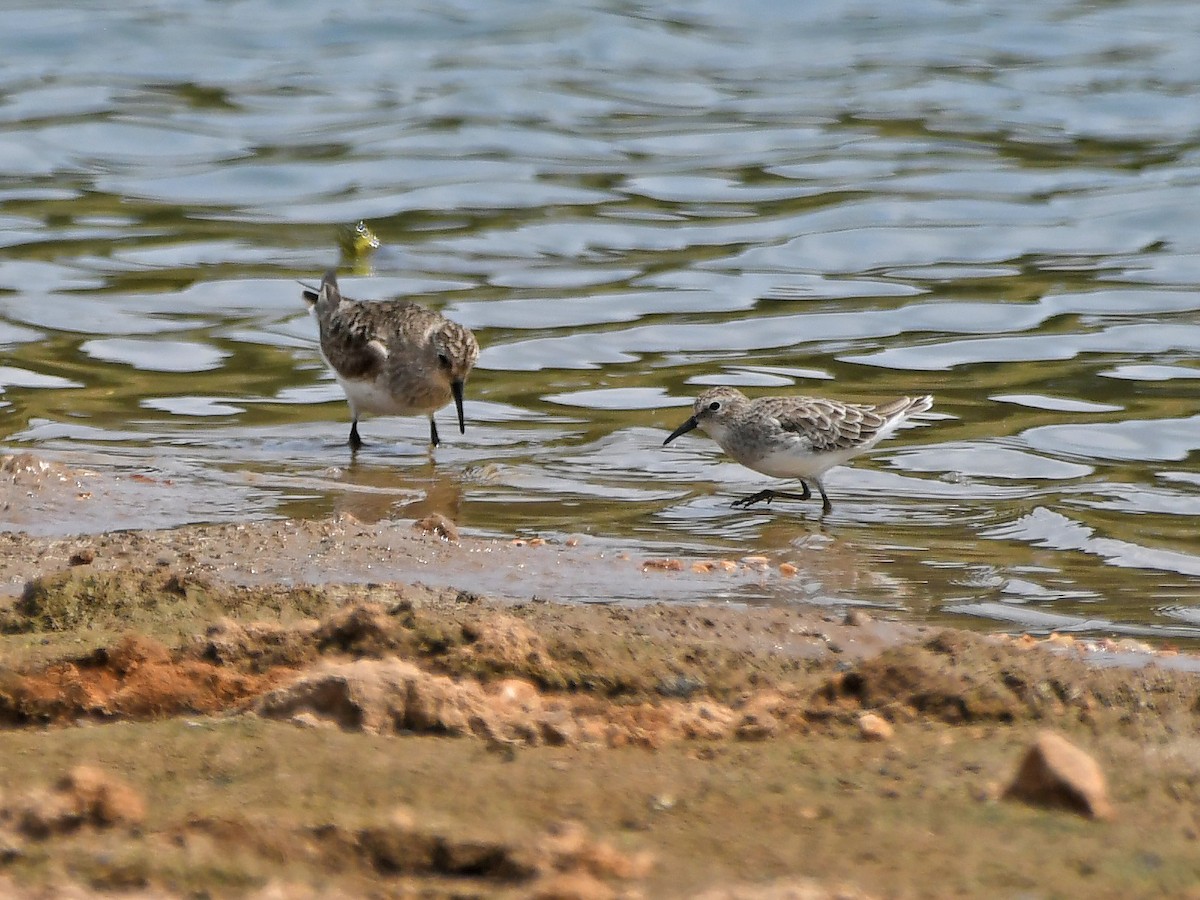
(798, 462)
(372, 396)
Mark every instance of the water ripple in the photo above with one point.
(990, 202)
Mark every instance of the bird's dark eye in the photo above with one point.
(443, 360)
(714, 406)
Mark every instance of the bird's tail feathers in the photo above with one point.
(903, 407)
(327, 294)
(919, 404)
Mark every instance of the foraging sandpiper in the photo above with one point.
(794, 437)
(392, 357)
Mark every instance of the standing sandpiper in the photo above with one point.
(392, 357)
(794, 437)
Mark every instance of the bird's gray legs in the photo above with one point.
(826, 506)
(768, 495)
(356, 442)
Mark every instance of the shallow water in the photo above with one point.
(991, 202)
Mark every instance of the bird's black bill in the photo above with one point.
(682, 429)
(456, 388)
(310, 292)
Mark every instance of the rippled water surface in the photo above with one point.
(994, 202)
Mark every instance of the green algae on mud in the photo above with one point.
(132, 597)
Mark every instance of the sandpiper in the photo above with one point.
(794, 437)
(392, 357)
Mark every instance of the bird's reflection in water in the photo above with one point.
(445, 496)
(834, 563)
(386, 493)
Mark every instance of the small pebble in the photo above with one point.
(436, 523)
(873, 727)
(857, 618)
(679, 686)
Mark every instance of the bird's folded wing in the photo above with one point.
(831, 426)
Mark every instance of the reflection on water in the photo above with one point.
(994, 203)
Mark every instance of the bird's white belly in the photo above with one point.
(796, 463)
(372, 396)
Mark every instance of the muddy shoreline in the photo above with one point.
(335, 708)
